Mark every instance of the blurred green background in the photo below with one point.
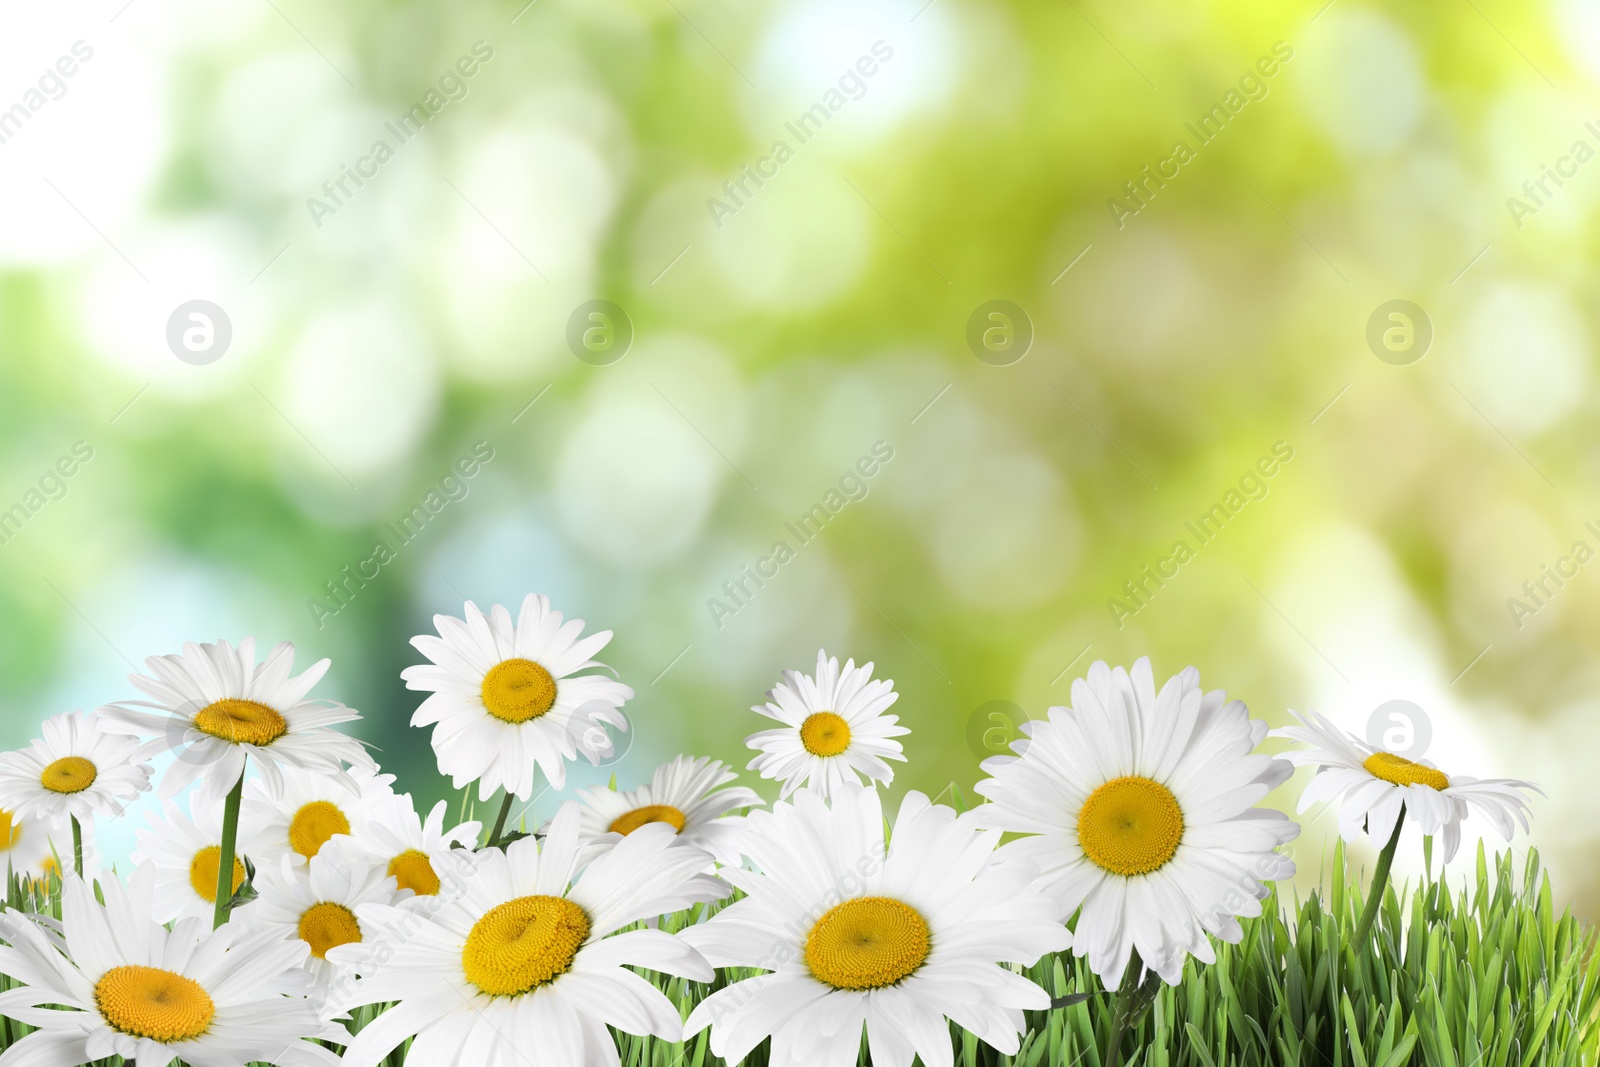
(1158, 347)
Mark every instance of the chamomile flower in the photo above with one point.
(213, 706)
(685, 795)
(185, 854)
(30, 847)
(318, 904)
(834, 728)
(1374, 787)
(77, 769)
(296, 815)
(120, 984)
(899, 943)
(525, 964)
(1140, 807)
(511, 698)
(406, 846)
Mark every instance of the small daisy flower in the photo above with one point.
(76, 770)
(1140, 809)
(526, 959)
(509, 699)
(120, 984)
(213, 706)
(29, 847)
(406, 846)
(318, 904)
(685, 795)
(834, 729)
(303, 810)
(900, 938)
(1375, 787)
(185, 854)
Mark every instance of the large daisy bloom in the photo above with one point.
(525, 964)
(318, 904)
(214, 705)
(77, 769)
(185, 853)
(406, 846)
(1374, 787)
(834, 729)
(1141, 810)
(301, 811)
(117, 983)
(899, 943)
(511, 698)
(685, 794)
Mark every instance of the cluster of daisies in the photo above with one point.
(293, 889)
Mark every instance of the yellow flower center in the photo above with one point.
(152, 1003)
(631, 821)
(412, 871)
(10, 831)
(203, 872)
(69, 774)
(328, 925)
(313, 824)
(516, 690)
(1401, 771)
(241, 722)
(1130, 826)
(523, 943)
(825, 734)
(867, 943)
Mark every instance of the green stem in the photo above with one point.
(500, 820)
(230, 837)
(77, 846)
(1380, 882)
(1127, 1004)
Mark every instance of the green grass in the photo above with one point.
(1488, 977)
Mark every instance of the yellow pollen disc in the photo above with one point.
(1130, 826)
(10, 830)
(516, 690)
(313, 824)
(69, 774)
(1401, 771)
(867, 943)
(631, 821)
(412, 871)
(325, 926)
(203, 872)
(242, 722)
(825, 734)
(151, 1003)
(523, 943)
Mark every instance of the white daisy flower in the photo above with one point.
(526, 960)
(834, 729)
(1377, 786)
(29, 847)
(120, 984)
(300, 812)
(685, 795)
(901, 943)
(213, 706)
(76, 770)
(406, 846)
(1142, 807)
(319, 904)
(185, 854)
(508, 698)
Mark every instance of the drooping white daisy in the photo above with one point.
(406, 847)
(525, 963)
(834, 728)
(298, 814)
(213, 705)
(185, 854)
(1141, 807)
(899, 943)
(508, 699)
(1375, 786)
(76, 770)
(319, 904)
(685, 795)
(120, 984)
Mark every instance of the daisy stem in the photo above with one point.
(500, 820)
(230, 837)
(1380, 881)
(77, 846)
(1127, 1005)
